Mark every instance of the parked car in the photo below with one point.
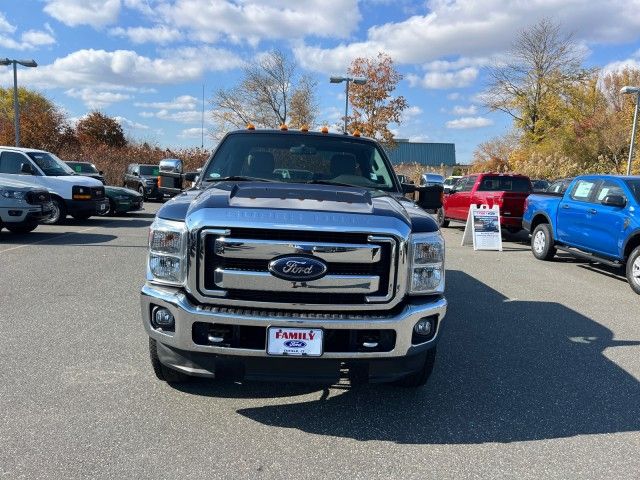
(22, 206)
(289, 279)
(558, 187)
(507, 191)
(539, 185)
(87, 169)
(596, 218)
(449, 182)
(122, 200)
(71, 194)
(143, 179)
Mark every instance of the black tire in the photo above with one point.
(542, 244)
(141, 192)
(442, 221)
(420, 377)
(59, 212)
(633, 270)
(162, 372)
(22, 228)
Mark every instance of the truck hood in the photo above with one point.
(18, 185)
(74, 180)
(252, 196)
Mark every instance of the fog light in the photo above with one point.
(15, 213)
(163, 318)
(423, 327)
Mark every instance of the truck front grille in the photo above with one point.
(361, 268)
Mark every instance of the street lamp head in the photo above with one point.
(630, 90)
(337, 79)
(5, 61)
(27, 63)
(359, 81)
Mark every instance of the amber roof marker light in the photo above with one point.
(284, 127)
(324, 129)
(251, 126)
(304, 128)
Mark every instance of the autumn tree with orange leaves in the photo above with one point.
(374, 105)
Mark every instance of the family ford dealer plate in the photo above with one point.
(294, 341)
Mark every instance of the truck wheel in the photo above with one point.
(442, 221)
(633, 270)
(542, 242)
(164, 373)
(22, 228)
(141, 192)
(420, 377)
(58, 214)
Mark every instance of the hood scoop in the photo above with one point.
(304, 197)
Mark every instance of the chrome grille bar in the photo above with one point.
(267, 249)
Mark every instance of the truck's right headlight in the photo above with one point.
(167, 252)
(426, 273)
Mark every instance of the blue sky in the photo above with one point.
(145, 61)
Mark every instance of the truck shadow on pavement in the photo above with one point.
(53, 238)
(506, 371)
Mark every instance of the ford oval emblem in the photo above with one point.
(297, 268)
(295, 344)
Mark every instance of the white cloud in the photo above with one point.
(96, 13)
(460, 110)
(28, 40)
(469, 122)
(97, 99)
(126, 68)
(195, 132)
(441, 80)
(183, 102)
(37, 38)
(130, 124)
(476, 30)
(185, 116)
(5, 26)
(160, 34)
(253, 20)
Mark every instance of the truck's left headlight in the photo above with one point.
(15, 194)
(426, 272)
(167, 261)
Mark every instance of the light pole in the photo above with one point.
(357, 81)
(632, 91)
(16, 105)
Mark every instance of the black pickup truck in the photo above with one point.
(261, 274)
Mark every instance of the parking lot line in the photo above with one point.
(48, 239)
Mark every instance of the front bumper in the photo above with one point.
(86, 207)
(25, 214)
(129, 205)
(179, 351)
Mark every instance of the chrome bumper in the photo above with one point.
(186, 313)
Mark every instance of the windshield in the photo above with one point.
(634, 186)
(50, 164)
(83, 167)
(149, 170)
(301, 158)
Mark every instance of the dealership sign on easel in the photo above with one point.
(483, 228)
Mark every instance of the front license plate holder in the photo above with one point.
(295, 342)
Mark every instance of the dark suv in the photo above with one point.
(144, 179)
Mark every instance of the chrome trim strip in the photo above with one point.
(392, 269)
(267, 249)
(264, 281)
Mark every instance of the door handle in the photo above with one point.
(565, 206)
(593, 211)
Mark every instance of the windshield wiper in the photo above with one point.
(331, 182)
(238, 178)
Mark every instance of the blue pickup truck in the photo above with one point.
(596, 217)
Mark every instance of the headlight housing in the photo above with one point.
(16, 194)
(426, 270)
(167, 261)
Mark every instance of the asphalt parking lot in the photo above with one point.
(537, 376)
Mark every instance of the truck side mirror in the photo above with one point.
(191, 176)
(26, 168)
(408, 187)
(430, 198)
(614, 201)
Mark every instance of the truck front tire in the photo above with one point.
(21, 228)
(542, 242)
(163, 372)
(59, 212)
(420, 377)
(633, 270)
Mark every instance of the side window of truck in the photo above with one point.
(583, 190)
(10, 162)
(609, 188)
(468, 185)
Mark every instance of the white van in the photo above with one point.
(71, 194)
